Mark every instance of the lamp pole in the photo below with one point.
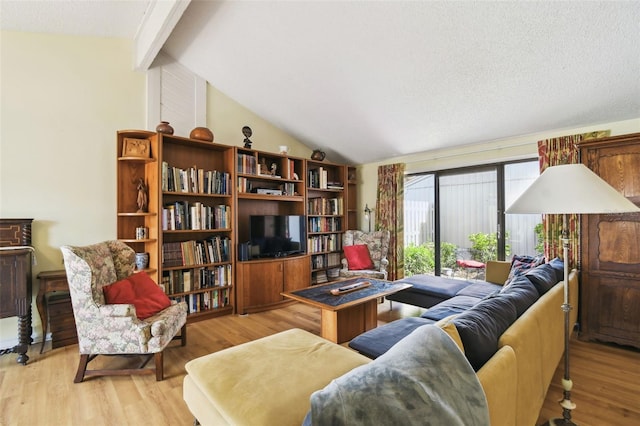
(367, 214)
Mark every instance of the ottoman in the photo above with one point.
(264, 382)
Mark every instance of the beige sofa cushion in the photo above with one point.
(267, 381)
(449, 327)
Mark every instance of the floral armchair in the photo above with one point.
(114, 329)
(378, 245)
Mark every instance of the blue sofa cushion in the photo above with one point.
(481, 326)
(521, 292)
(434, 285)
(455, 305)
(479, 289)
(377, 341)
(543, 278)
(558, 265)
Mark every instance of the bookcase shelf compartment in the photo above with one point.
(201, 180)
(327, 195)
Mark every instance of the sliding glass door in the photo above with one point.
(455, 218)
(468, 221)
(523, 231)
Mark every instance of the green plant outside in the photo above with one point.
(421, 259)
(539, 231)
(484, 247)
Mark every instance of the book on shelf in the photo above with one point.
(325, 224)
(325, 206)
(333, 273)
(191, 253)
(187, 280)
(321, 277)
(246, 163)
(194, 180)
(324, 243)
(184, 215)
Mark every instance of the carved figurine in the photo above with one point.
(143, 196)
(246, 131)
(264, 169)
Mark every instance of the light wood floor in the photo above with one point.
(606, 390)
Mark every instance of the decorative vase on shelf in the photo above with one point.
(164, 127)
(142, 261)
(202, 134)
(318, 155)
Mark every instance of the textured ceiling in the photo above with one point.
(367, 80)
(115, 18)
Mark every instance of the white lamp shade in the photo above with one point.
(571, 188)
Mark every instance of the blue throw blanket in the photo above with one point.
(423, 380)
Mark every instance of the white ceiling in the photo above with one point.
(369, 80)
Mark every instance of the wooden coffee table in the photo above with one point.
(347, 315)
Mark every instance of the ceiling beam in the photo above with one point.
(157, 24)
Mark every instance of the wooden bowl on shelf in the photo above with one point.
(202, 134)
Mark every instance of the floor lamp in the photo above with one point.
(569, 189)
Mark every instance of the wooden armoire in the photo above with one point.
(610, 286)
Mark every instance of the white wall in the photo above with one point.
(63, 100)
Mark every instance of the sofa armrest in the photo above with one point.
(498, 378)
(497, 271)
(384, 262)
(345, 263)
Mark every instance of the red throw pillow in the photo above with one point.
(140, 291)
(358, 257)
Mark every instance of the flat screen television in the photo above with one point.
(277, 235)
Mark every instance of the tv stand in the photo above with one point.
(260, 282)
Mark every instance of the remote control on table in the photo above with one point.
(350, 287)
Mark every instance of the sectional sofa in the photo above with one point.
(499, 357)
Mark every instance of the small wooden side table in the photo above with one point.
(49, 281)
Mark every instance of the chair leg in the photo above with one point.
(159, 366)
(183, 335)
(82, 367)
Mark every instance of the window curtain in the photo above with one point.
(554, 152)
(390, 215)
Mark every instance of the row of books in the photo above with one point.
(324, 243)
(194, 180)
(325, 260)
(187, 253)
(199, 302)
(290, 170)
(325, 206)
(319, 179)
(185, 280)
(185, 215)
(325, 224)
(319, 277)
(288, 188)
(247, 164)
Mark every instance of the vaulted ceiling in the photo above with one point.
(369, 80)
